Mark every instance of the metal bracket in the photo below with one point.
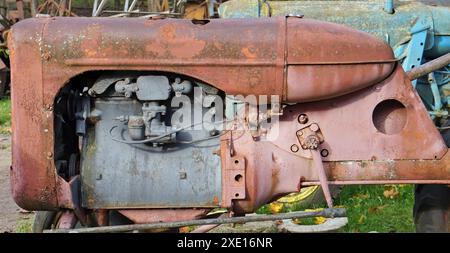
(310, 136)
(234, 176)
(416, 46)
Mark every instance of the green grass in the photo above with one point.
(5, 116)
(25, 225)
(368, 209)
(380, 208)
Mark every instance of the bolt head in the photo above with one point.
(314, 127)
(302, 119)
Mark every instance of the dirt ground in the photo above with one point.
(10, 213)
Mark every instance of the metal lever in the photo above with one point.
(310, 137)
(317, 158)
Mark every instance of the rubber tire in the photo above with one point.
(43, 220)
(432, 209)
(316, 199)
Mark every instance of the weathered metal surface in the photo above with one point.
(429, 67)
(343, 61)
(254, 57)
(349, 124)
(164, 215)
(33, 178)
(356, 149)
(248, 60)
(417, 30)
(67, 220)
(366, 16)
(328, 213)
(140, 176)
(392, 144)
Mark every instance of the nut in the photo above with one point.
(314, 127)
(312, 142)
(302, 119)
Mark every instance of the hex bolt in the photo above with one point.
(294, 148)
(49, 155)
(314, 127)
(183, 175)
(46, 56)
(214, 132)
(302, 119)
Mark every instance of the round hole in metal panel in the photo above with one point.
(238, 178)
(389, 116)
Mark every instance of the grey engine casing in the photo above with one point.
(120, 175)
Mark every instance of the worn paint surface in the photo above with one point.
(357, 152)
(163, 215)
(144, 177)
(366, 16)
(260, 57)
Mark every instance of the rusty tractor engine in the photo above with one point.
(93, 128)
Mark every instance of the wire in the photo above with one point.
(203, 139)
(161, 136)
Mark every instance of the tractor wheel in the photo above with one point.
(432, 209)
(43, 220)
(309, 197)
(432, 203)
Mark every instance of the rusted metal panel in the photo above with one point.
(220, 52)
(325, 61)
(238, 57)
(163, 215)
(357, 152)
(33, 179)
(350, 133)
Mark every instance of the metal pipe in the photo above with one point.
(100, 8)
(125, 7)
(429, 67)
(377, 182)
(322, 176)
(328, 213)
(142, 12)
(33, 8)
(94, 8)
(389, 6)
(206, 228)
(133, 5)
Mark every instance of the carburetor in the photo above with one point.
(153, 91)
